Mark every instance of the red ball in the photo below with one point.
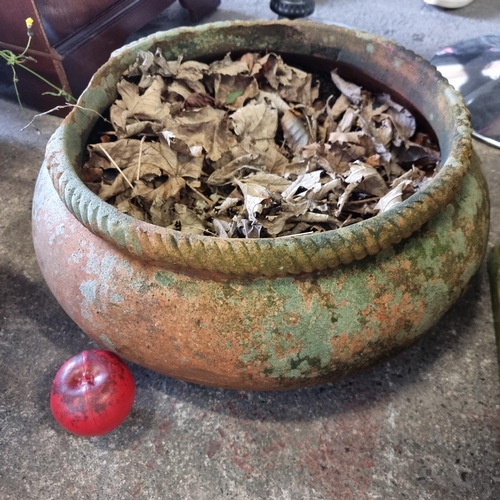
(92, 393)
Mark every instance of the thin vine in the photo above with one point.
(19, 60)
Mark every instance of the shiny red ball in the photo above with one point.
(92, 393)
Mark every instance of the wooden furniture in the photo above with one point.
(72, 38)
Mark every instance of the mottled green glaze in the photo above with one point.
(266, 314)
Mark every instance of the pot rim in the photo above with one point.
(254, 257)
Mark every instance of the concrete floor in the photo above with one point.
(425, 425)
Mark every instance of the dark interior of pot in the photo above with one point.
(317, 65)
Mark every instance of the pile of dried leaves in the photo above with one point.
(253, 148)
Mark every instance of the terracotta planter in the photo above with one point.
(266, 314)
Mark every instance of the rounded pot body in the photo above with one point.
(272, 314)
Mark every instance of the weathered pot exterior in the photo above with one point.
(265, 314)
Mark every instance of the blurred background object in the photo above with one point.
(72, 39)
(293, 9)
(473, 67)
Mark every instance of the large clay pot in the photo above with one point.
(266, 314)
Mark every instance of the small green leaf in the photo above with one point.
(233, 96)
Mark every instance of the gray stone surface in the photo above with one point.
(423, 426)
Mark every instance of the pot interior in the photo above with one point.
(320, 65)
(314, 65)
(374, 63)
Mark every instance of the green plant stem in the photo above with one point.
(59, 90)
(8, 56)
(26, 48)
(12, 60)
(14, 80)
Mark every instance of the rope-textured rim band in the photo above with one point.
(254, 257)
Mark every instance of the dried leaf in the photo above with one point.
(305, 181)
(294, 131)
(224, 85)
(340, 158)
(255, 195)
(416, 155)
(276, 163)
(180, 89)
(366, 178)
(392, 198)
(256, 120)
(350, 90)
(313, 217)
(207, 127)
(228, 203)
(178, 166)
(161, 212)
(274, 71)
(340, 105)
(298, 90)
(156, 158)
(191, 71)
(90, 173)
(272, 97)
(382, 130)
(348, 120)
(186, 220)
(403, 120)
(223, 228)
(199, 100)
(166, 68)
(228, 172)
(344, 197)
(320, 191)
(343, 137)
(149, 64)
(373, 107)
(249, 148)
(229, 67)
(125, 153)
(148, 106)
(250, 229)
(274, 183)
(274, 224)
(127, 207)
